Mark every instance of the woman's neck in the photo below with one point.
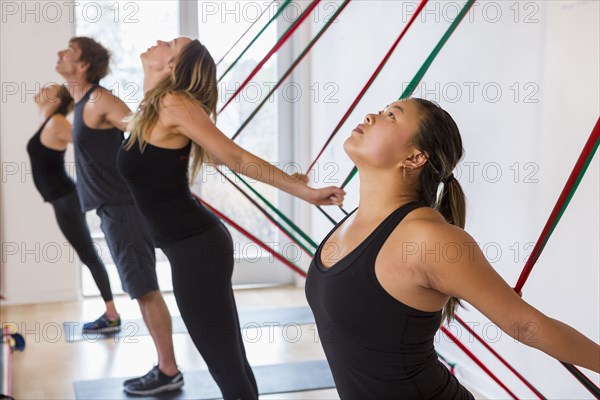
(45, 111)
(150, 81)
(382, 193)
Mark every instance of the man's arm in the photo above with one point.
(114, 110)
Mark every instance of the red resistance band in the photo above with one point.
(541, 242)
(252, 237)
(477, 361)
(498, 356)
(277, 46)
(369, 82)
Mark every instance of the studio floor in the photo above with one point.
(49, 365)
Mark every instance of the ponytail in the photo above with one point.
(66, 101)
(452, 206)
(438, 137)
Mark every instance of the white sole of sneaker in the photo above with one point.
(104, 330)
(167, 388)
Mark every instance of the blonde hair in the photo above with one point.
(194, 75)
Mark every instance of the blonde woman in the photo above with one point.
(176, 118)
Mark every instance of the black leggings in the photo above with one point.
(73, 225)
(202, 266)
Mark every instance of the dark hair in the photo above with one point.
(95, 55)
(439, 138)
(66, 101)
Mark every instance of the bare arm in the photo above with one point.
(186, 118)
(114, 110)
(59, 129)
(472, 278)
(65, 132)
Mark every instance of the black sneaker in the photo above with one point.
(102, 325)
(147, 376)
(154, 382)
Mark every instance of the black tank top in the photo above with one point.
(98, 183)
(158, 180)
(48, 168)
(376, 346)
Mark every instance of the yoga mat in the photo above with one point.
(199, 385)
(263, 318)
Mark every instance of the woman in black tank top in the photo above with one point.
(386, 277)
(175, 118)
(47, 155)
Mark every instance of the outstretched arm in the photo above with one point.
(471, 277)
(61, 129)
(115, 110)
(189, 119)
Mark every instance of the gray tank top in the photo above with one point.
(98, 182)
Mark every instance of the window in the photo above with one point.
(221, 24)
(127, 29)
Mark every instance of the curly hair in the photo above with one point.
(95, 55)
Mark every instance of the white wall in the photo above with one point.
(37, 265)
(557, 58)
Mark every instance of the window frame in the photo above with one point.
(246, 274)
